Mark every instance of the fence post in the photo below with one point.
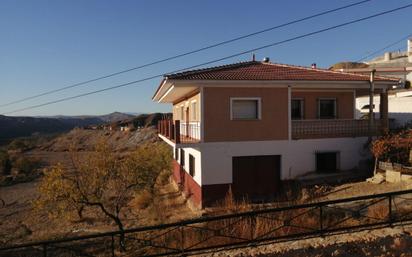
(182, 245)
(112, 245)
(44, 250)
(390, 210)
(321, 219)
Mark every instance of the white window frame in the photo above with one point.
(334, 107)
(302, 108)
(194, 111)
(259, 107)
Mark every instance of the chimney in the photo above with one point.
(387, 57)
(253, 57)
(266, 59)
(410, 50)
(314, 65)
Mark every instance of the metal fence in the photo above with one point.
(234, 230)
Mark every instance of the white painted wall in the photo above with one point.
(213, 161)
(399, 107)
(198, 162)
(297, 156)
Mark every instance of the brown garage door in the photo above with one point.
(256, 177)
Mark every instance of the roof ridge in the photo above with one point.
(214, 68)
(324, 70)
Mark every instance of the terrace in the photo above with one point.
(180, 132)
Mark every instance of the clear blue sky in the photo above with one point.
(50, 44)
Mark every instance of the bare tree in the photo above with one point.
(102, 180)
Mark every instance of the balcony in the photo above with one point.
(180, 132)
(305, 129)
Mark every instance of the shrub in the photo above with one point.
(26, 165)
(5, 163)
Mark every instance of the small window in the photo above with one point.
(176, 154)
(191, 165)
(327, 109)
(194, 111)
(182, 157)
(245, 109)
(297, 109)
(182, 113)
(327, 161)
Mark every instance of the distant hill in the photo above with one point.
(12, 127)
(348, 65)
(142, 120)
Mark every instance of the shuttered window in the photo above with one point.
(245, 109)
(182, 157)
(191, 165)
(297, 109)
(327, 108)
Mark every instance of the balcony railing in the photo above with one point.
(180, 132)
(304, 129)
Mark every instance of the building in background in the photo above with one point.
(392, 64)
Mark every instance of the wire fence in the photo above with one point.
(233, 230)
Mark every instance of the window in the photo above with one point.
(182, 112)
(245, 108)
(297, 109)
(191, 165)
(327, 109)
(176, 154)
(182, 157)
(194, 111)
(327, 161)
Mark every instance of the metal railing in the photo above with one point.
(233, 230)
(180, 132)
(304, 129)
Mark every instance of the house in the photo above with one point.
(391, 64)
(248, 126)
(399, 107)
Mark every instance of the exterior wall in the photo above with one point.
(399, 107)
(188, 186)
(297, 156)
(344, 102)
(218, 126)
(198, 161)
(187, 104)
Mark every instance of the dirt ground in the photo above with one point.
(395, 241)
(20, 223)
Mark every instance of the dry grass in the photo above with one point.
(142, 200)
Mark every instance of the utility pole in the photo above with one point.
(371, 104)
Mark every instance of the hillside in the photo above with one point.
(12, 127)
(348, 65)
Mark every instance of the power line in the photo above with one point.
(384, 48)
(185, 54)
(216, 60)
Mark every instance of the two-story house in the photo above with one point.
(248, 126)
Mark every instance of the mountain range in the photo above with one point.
(12, 127)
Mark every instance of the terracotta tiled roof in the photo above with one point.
(255, 70)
